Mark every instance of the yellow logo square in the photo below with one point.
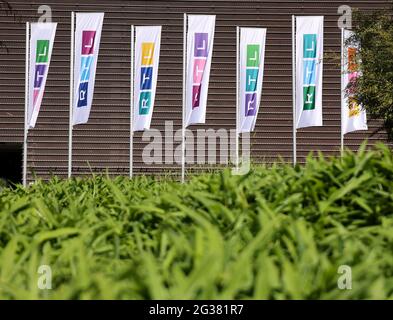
(147, 53)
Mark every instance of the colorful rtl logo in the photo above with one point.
(146, 83)
(87, 58)
(309, 70)
(41, 65)
(354, 108)
(252, 70)
(200, 58)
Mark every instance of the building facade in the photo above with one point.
(103, 143)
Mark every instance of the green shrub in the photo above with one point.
(279, 233)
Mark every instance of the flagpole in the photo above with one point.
(294, 90)
(237, 97)
(71, 95)
(342, 90)
(183, 149)
(26, 105)
(132, 103)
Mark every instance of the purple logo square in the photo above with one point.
(196, 95)
(39, 75)
(88, 38)
(251, 104)
(200, 45)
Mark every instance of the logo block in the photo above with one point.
(251, 104)
(309, 72)
(36, 92)
(310, 46)
(146, 78)
(200, 45)
(82, 94)
(309, 98)
(253, 52)
(251, 80)
(144, 102)
(39, 75)
(354, 108)
(352, 63)
(199, 67)
(147, 53)
(88, 38)
(196, 95)
(42, 51)
(86, 63)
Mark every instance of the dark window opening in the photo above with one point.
(11, 157)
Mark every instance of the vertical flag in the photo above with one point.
(147, 54)
(41, 45)
(309, 68)
(200, 38)
(252, 57)
(87, 44)
(353, 116)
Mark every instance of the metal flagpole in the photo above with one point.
(294, 89)
(183, 148)
(71, 94)
(132, 102)
(342, 90)
(26, 105)
(237, 97)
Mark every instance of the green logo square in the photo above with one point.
(309, 98)
(253, 55)
(42, 51)
(310, 46)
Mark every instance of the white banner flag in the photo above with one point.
(252, 57)
(353, 116)
(200, 38)
(309, 68)
(147, 54)
(87, 44)
(41, 45)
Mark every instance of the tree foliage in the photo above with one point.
(374, 89)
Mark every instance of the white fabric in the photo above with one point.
(41, 46)
(252, 57)
(353, 116)
(309, 69)
(147, 54)
(200, 37)
(88, 30)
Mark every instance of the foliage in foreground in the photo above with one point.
(279, 232)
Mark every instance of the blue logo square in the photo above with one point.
(86, 63)
(82, 94)
(146, 78)
(309, 72)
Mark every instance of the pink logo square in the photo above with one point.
(36, 92)
(199, 67)
(353, 76)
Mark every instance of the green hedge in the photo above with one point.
(277, 233)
